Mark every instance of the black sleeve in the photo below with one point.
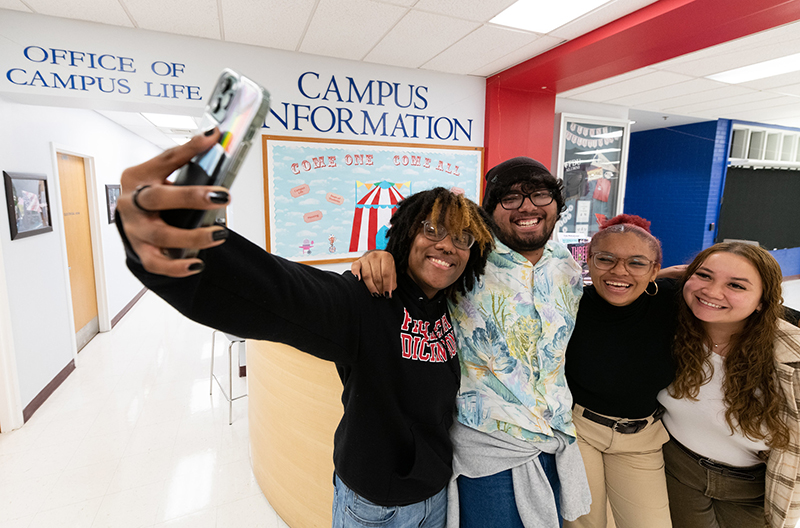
(248, 292)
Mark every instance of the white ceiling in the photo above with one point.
(455, 36)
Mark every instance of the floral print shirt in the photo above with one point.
(513, 329)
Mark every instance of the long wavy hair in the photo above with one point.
(752, 396)
(453, 211)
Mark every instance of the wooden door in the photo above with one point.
(75, 205)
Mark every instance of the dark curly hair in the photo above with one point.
(532, 174)
(454, 211)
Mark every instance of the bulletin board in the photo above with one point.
(331, 200)
(592, 160)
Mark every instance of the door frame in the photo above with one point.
(95, 219)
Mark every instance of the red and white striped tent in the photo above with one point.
(373, 211)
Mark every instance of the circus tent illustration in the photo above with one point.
(373, 211)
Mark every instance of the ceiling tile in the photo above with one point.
(775, 83)
(196, 18)
(475, 10)
(668, 91)
(635, 85)
(483, 46)
(607, 82)
(278, 24)
(598, 18)
(417, 38)
(16, 5)
(536, 47)
(697, 97)
(349, 29)
(103, 11)
(757, 102)
(404, 3)
(708, 63)
(763, 114)
(716, 102)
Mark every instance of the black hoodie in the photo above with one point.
(396, 357)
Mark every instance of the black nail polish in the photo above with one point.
(386, 294)
(197, 266)
(218, 197)
(209, 132)
(376, 295)
(220, 234)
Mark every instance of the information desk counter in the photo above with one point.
(294, 407)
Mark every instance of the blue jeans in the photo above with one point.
(488, 502)
(351, 510)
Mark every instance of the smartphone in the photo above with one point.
(237, 107)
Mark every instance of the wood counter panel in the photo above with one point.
(294, 408)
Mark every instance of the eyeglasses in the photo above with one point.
(634, 265)
(514, 200)
(463, 240)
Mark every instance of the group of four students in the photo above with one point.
(484, 385)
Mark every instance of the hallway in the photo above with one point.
(133, 439)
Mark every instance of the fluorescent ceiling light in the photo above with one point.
(761, 70)
(543, 16)
(171, 121)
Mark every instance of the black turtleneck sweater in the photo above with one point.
(619, 357)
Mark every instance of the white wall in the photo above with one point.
(34, 266)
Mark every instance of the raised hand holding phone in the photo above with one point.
(237, 107)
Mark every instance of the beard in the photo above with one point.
(522, 243)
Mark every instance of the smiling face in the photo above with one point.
(435, 265)
(724, 291)
(617, 286)
(527, 229)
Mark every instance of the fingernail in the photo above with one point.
(218, 197)
(209, 131)
(197, 266)
(376, 295)
(220, 234)
(386, 294)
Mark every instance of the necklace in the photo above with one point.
(717, 345)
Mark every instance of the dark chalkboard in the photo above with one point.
(761, 205)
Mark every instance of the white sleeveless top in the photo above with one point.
(700, 425)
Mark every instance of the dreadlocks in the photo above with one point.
(453, 211)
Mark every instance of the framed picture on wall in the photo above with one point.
(28, 204)
(592, 162)
(112, 193)
(331, 200)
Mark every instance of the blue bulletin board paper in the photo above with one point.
(331, 200)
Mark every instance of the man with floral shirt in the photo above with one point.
(515, 456)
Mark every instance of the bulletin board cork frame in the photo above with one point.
(328, 200)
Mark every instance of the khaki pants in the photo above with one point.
(625, 471)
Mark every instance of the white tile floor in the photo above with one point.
(132, 438)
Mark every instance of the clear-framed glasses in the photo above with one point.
(514, 200)
(634, 265)
(463, 240)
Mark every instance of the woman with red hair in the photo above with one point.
(618, 359)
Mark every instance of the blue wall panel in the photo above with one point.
(668, 183)
(789, 259)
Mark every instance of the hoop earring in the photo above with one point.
(655, 292)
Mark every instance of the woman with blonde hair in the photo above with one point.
(732, 410)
